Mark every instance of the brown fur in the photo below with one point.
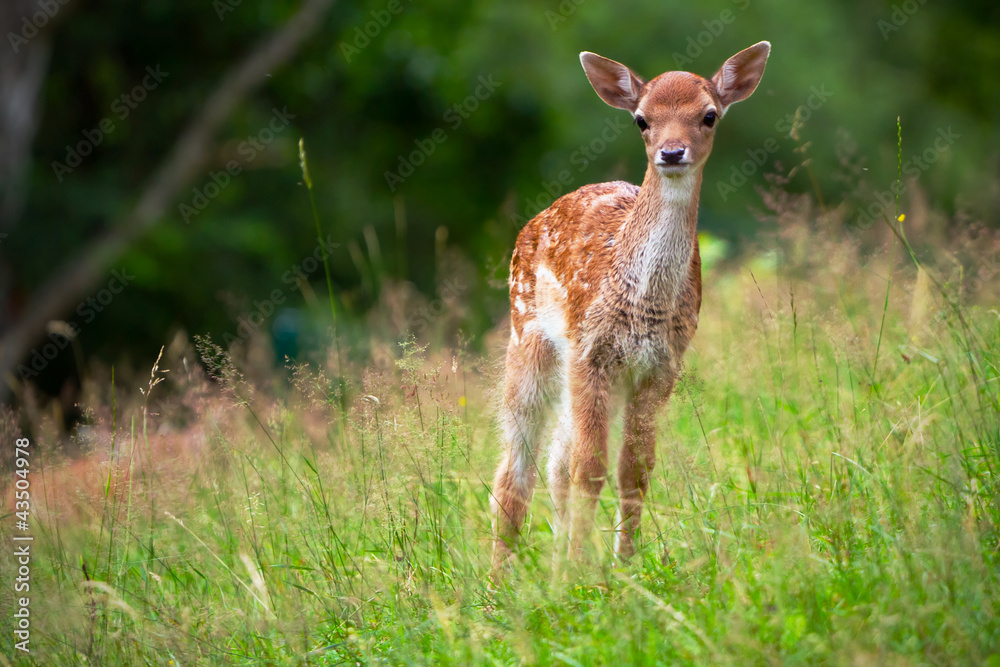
(605, 289)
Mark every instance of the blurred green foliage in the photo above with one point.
(377, 88)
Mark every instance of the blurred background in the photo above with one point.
(150, 179)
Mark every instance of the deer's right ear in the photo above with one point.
(615, 84)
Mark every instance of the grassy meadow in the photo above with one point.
(825, 493)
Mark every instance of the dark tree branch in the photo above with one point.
(63, 291)
(24, 61)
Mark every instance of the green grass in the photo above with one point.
(810, 505)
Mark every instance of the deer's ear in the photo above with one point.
(615, 84)
(738, 77)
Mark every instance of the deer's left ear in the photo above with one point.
(738, 77)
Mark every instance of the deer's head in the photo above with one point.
(677, 112)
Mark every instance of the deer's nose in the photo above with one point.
(674, 156)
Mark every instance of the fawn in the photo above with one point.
(605, 290)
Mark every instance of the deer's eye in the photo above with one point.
(710, 118)
(641, 122)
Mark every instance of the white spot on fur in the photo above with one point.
(607, 199)
(519, 304)
(550, 307)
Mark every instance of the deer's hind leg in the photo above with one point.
(528, 381)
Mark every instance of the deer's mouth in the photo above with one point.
(673, 169)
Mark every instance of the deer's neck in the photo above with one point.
(655, 243)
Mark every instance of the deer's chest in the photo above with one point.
(634, 338)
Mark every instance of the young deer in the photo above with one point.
(605, 290)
